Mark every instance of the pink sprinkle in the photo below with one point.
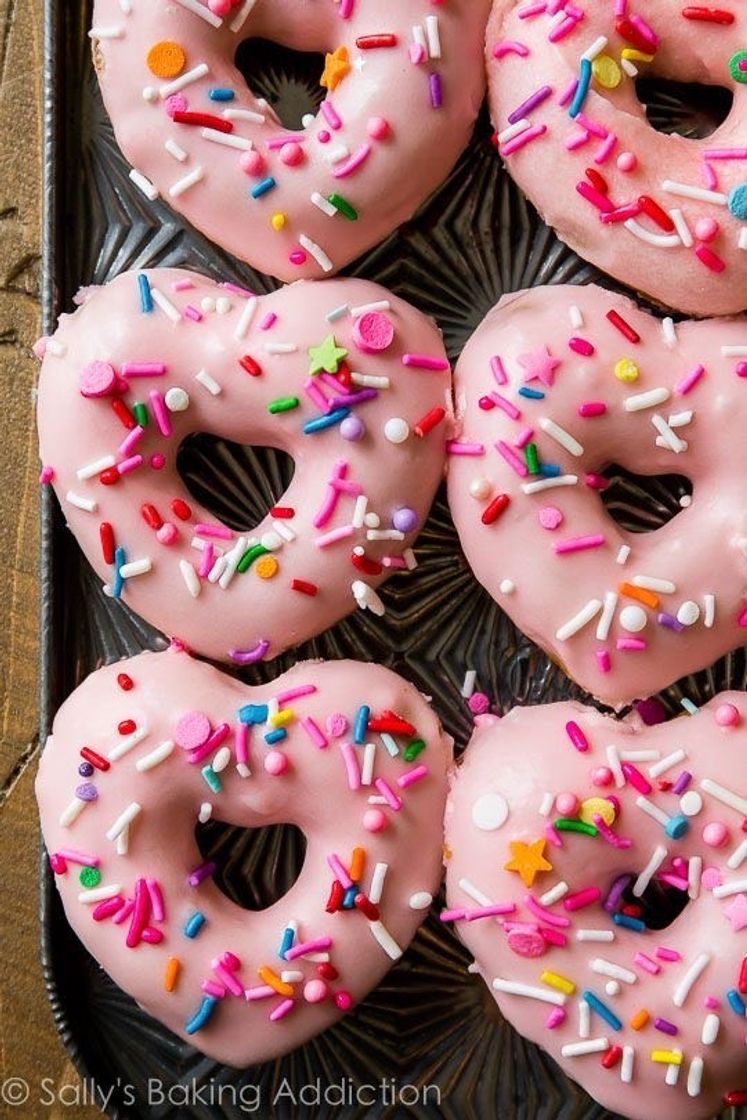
(540, 911)
(577, 140)
(424, 361)
(581, 346)
(130, 440)
(394, 562)
(343, 170)
(553, 936)
(334, 536)
(565, 28)
(552, 836)
(579, 544)
(182, 286)
(124, 912)
(605, 149)
(606, 832)
(631, 645)
(596, 481)
(340, 874)
(507, 406)
(81, 858)
(523, 438)
(211, 744)
(452, 915)
(353, 770)
(494, 910)
(455, 447)
(314, 732)
(710, 176)
(312, 390)
(237, 291)
(160, 412)
(512, 458)
(665, 954)
(156, 900)
(568, 93)
(582, 898)
(591, 126)
(535, 9)
(604, 662)
(227, 977)
(556, 1018)
(140, 914)
(285, 698)
(386, 791)
(592, 408)
(711, 1003)
(129, 465)
(647, 964)
(241, 743)
(509, 46)
(193, 314)
(523, 138)
(330, 115)
(211, 988)
(143, 369)
(645, 29)
(218, 532)
(742, 620)
(709, 258)
(411, 776)
(206, 562)
(57, 863)
(46, 475)
(317, 945)
(269, 320)
(621, 214)
(107, 908)
(261, 991)
(498, 371)
(595, 197)
(282, 1010)
(635, 778)
(577, 737)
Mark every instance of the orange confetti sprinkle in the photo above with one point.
(266, 567)
(166, 59)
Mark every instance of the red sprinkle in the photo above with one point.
(367, 907)
(498, 506)
(655, 213)
(110, 477)
(336, 895)
(58, 863)
(624, 328)
(735, 1097)
(304, 587)
(181, 509)
(248, 363)
(632, 911)
(327, 971)
(363, 564)
(743, 977)
(392, 723)
(598, 181)
(369, 42)
(125, 682)
(203, 120)
(611, 1057)
(151, 516)
(126, 726)
(630, 33)
(283, 513)
(621, 214)
(428, 422)
(95, 759)
(122, 412)
(709, 15)
(107, 542)
(664, 784)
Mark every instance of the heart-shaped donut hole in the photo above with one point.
(222, 476)
(641, 503)
(254, 867)
(687, 109)
(287, 79)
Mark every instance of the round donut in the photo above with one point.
(555, 386)
(596, 873)
(404, 82)
(665, 214)
(349, 753)
(350, 381)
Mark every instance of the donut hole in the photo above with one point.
(658, 907)
(256, 866)
(238, 485)
(287, 79)
(686, 108)
(643, 503)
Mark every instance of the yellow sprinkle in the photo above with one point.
(266, 567)
(282, 718)
(640, 1019)
(668, 1057)
(632, 55)
(277, 221)
(626, 370)
(599, 807)
(273, 981)
(173, 968)
(606, 71)
(562, 983)
(357, 864)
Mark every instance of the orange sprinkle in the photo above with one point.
(272, 980)
(357, 864)
(166, 59)
(641, 594)
(266, 567)
(640, 1019)
(173, 968)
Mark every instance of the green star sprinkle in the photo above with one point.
(327, 357)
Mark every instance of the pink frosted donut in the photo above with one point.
(611, 935)
(664, 214)
(346, 378)
(556, 385)
(404, 84)
(145, 748)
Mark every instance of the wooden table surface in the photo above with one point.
(29, 1046)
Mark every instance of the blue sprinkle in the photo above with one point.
(677, 827)
(338, 313)
(361, 723)
(276, 736)
(200, 1018)
(263, 187)
(690, 708)
(531, 394)
(348, 899)
(629, 923)
(254, 713)
(602, 1010)
(286, 943)
(194, 924)
(737, 202)
(146, 299)
(212, 779)
(120, 559)
(221, 94)
(736, 1003)
(549, 470)
(319, 423)
(584, 81)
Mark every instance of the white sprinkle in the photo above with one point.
(658, 856)
(742, 238)
(725, 796)
(221, 760)
(182, 185)
(316, 252)
(324, 205)
(367, 598)
(672, 1075)
(734, 351)
(410, 559)
(123, 820)
(231, 562)
(711, 1026)
(433, 36)
(577, 1049)
(475, 893)
(576, 317)
(651, 583)
(99, 894)
(385, 940)
(683, 229)
(515, 988)
(709, 606)
(595, 935)
(217, 569)
(468, 686)
(623, 554)
(584, 616)
(280, 348)
(513, 130)
(726, 890)
(694, 872)
(554, 894)
(613, 758)
(291, 976)
(72, 812)
(336, 154)
(607, 617)
(418, 35)
(549, 483)
(667, 763)
(652, 811)
(124, 746)
(136, 568)
(205, 813)
(684, 190)
(283, 531)
(639, 756)
(561, 436)
(584, 1019)
(604, 967)
(671, 439)
(364, 308)
(367, 769)
(96, 467)
(421, 900)
(682, 991)
(628, 1062)
(247, 314)
(546, 805)
(227, 139)
(114, 32)
(695, 1076)
(190, 577)
(377, 883)
(200, 10)
(244, 115)
(370, 381)
(175, 150)
(123, 842)
(242, 15)
(150, 190)
(669, 331)
(156, 757)
(660, 240)
(738, 856)
(596, 48)
(646, 400)
(183, 80)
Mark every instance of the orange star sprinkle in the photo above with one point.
(528, 860)
(336, 66)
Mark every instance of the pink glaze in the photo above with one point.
(510, 768)
(699, 552)
(388, 144)
(251, 617)
(611, 135)
(313, 794)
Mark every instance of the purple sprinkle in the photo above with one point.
(85, 769)
(670, 622)
(665, 1026)
(405, 520)
(201, 873)
(87, 791)
(531, 102)
(651, 711)
(436, 92)
(614, 897)
(682, 782)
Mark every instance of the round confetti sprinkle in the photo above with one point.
(97, 379)
(337, 725)
(266, 567)
(373, 333)
(352, 429)
(727, 715)
(374, 820)
(85, 770)
(633, 619)
(192, 730)
(86, 791)
(550, 518)
(480, 488)
(166, 59)
(626, 370)
(691, 803)
(396, 430)
(566, 804)
(405, 520)
(478, 703)
(489, 812)
(89, 877)
(315, 991)
(276, 763)
(738, 202)
(177, 399)
(689, 613)
(715, 834)
(738, 67)
(421, 900)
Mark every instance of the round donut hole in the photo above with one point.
(238, 485)
(643, 503)
(687, 108)
(660, 904)
(287, 79)
(256, 866)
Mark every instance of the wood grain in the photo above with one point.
(29, 1046)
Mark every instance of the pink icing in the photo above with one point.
(612, 136)
(696, 560)
(384, 100)
(162, 849)
(520, 764)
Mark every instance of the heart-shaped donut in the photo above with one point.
(555, 386)
(596, 870)
(404, 81)
(348, 379)
(349, 753)
(665, 214)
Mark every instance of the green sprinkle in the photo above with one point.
(568, 824)
(250, 556)
(343, 206)
(212, 779)
(140, 412)
(283, 404)
(90, 877)
(413, 749)
(532, 458)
